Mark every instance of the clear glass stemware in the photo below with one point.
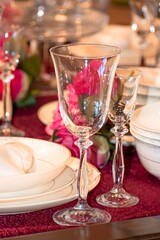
(122, 105)
(84, 74)
(10, 42)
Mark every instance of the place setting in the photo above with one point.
(47, 180)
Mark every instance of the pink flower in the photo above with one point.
(73, 105)
(87, 81)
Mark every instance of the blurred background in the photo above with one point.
(51, 22)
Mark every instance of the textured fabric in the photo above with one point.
(137, 181)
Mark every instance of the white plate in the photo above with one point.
(50, 199)
(45, 112)
(143, 137)
(50, 159)
(146, 99)
(147, 118)
(61, 183)
(149, 83)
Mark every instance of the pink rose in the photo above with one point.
(87, 81)
(73, 105)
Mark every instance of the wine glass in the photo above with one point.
(10, 43)
(84, 74)
(121, 107)
(142, 12)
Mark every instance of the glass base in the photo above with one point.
(7, 129)
(117, 198)
(74, 217)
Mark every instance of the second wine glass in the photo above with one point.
(84, 74)
(10, 44)
(123, 100)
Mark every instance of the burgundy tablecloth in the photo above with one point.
(137, 181)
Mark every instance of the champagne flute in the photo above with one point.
(84, 90)
(10, 43)
(123, 100)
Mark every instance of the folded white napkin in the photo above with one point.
(15, 158)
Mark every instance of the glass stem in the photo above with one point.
(7, 102)
(143, 46)
(118, 160)
(82, 180)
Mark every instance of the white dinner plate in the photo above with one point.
(62, 182)
(49, 161)
(45, 112)
(49, 198)
(58, 184)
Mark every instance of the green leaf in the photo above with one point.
(28, 101)
(54, 136)
(31, 65)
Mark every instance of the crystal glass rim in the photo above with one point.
(117, 50)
